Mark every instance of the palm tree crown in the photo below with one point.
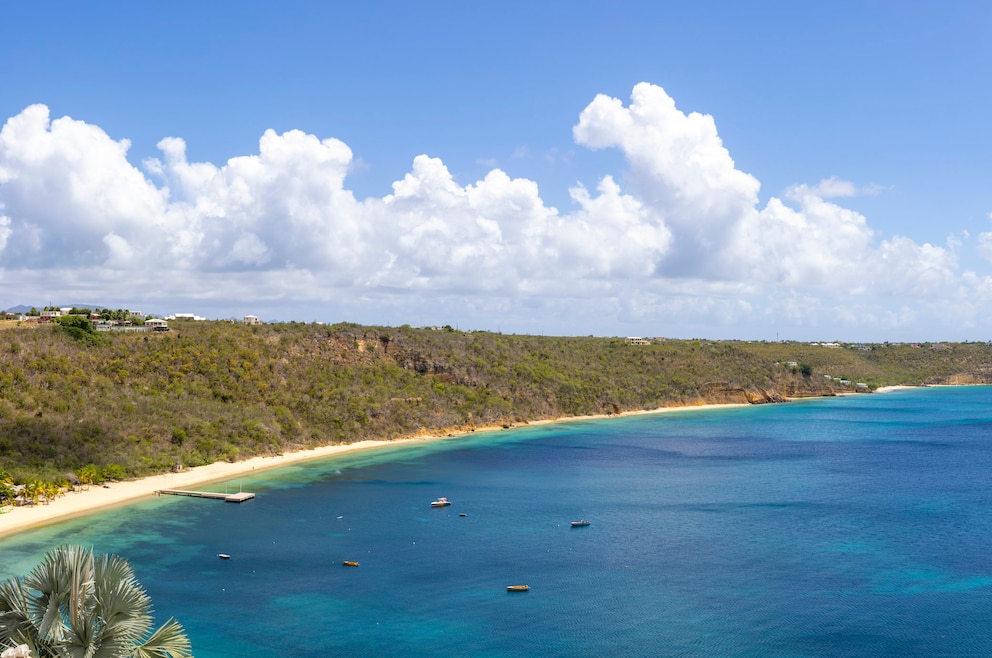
(77, 605)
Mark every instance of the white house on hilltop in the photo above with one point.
(251, 319)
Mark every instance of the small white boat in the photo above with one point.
(224, 556)
(440, 502)
(580, 524)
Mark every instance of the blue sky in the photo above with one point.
(712, 169)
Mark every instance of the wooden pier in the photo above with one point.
(238, 497)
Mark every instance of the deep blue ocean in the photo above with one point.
(854, 526)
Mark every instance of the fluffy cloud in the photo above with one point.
(985, 243)
(687, 239)
(285, 207)
(681, 171)
(4, 231)
(833, 187)
(679, 168)
(66, 186)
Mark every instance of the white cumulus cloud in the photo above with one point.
(679, 236)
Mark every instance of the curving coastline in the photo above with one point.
(96, 498)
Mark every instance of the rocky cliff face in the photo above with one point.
(779, 391)
(962, 379)
(724, 393)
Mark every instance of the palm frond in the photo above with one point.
(168, 641)
(15, 625)
(64, 585)
(125, 611)
(76, 605)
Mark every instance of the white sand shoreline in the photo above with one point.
(96, 498)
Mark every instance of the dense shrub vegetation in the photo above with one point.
(128, 404)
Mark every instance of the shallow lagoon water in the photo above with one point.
(854, 526)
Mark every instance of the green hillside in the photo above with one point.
(132, 404)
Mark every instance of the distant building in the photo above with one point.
(184, 316)
(251, 319)
(47, 316)
(157, 324)
(636, 340)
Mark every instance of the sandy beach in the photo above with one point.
(96, 497)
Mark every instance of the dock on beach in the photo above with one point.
(238, 497)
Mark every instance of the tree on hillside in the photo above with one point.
(75, 604)
(113, 472)
(79, 327)
(6, 487)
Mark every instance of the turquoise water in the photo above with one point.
(856, 526)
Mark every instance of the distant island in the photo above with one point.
(81, 406)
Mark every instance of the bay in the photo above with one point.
(854, 526)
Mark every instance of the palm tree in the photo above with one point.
(6, 487)
(32, 491)
(87, 474)
(77, 605)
